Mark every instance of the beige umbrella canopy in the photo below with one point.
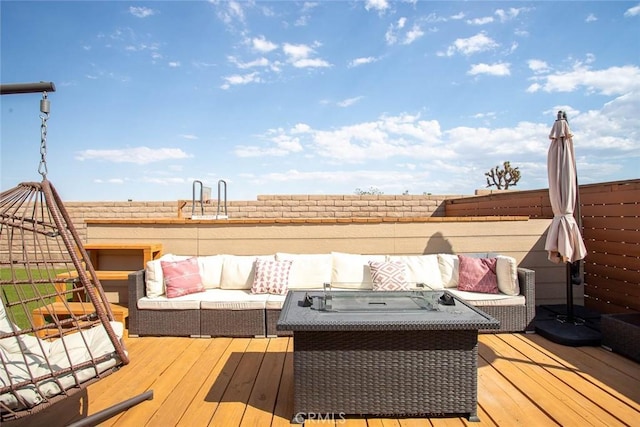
(564, 241)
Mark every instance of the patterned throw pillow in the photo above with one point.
(181, 277)
(388, 275)
(478, 275)
(271, 277)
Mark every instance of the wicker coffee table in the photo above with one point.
(383, 353)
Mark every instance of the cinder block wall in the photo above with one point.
(268, 206)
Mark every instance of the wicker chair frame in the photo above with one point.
(42, 261)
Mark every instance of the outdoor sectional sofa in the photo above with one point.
(240, 295)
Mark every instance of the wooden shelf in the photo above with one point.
(113, 262)
(102, 275)
(62, 309)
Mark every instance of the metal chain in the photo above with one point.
(44, 108)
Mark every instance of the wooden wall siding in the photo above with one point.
(532, 203)
(611, 232)
(611, 224)
(519, 237)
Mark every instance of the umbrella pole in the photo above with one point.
(577, 215)
(570, 317)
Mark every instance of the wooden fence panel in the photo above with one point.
(611, 231)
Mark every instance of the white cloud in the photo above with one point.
(263, 45)
(388, 180)
(141, 12)
(349, 101)
(393, 33)
(591, 18)
(241, 79)
(490, 114)
(110, 181)
(280, 144)
(610, 81)
(511, 13)
(174, 64)
(610, 128)
(391, 36)
(233, 11)
(138, 155)
(310, 63)
(379, 5)
(412, 35)
(297, 51)
(633, 11)
(538, 66)
(534, 87)
(387, 137)
(164, 180)
(188, 136)
(301, 128)
(474, 44)
(480, 21)
(258, 62)
(304, 18)
(299, 56)
(361, 61)
(499, 69)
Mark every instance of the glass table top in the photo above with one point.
(357, 301)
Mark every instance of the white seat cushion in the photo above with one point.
(274, 302)
(185, 302)
(69, 351)
(483, 300)
(233, 299)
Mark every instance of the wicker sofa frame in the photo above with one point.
(251, 323)
(191, 323)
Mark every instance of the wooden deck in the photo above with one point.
(523, 380)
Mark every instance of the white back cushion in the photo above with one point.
(308, 271)
(238, 271)
(211, 270)
(421, 269)
(352, 270)
(449, 268)
(507, 272)
(154, 279)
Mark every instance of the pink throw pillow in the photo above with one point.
(388, 275)
(181, 277)
(478, 275)
(271, 276)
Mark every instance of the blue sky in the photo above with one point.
(325, 97)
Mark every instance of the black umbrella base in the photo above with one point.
(581, 329)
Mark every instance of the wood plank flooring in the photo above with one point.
(523, 380)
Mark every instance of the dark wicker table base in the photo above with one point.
(385, 372)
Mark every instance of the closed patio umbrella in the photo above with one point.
(564, 241)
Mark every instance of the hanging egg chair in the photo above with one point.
(57, 330)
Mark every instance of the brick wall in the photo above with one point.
(268, 206)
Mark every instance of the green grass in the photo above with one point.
(16, 293)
